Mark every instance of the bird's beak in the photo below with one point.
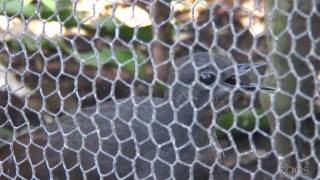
(250, 86)
(254, 86)
(245, 68)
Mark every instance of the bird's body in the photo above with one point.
(136, 137)
(115, 142)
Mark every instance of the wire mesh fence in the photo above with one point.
(159, 89)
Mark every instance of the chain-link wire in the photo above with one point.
(159, 89)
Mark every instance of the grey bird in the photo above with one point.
(136, 137)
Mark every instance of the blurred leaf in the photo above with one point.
(145, 34)
(15, 46)
(246, 120)
(46, 13)
(50, 4)
(67, 18)
(126, 33)
(226, 120)
(123, 57)
(47, 44)
(15, 6)
(30, 43)
(59, 10)
(109, 24)
(29, 10)
(65, 14)
(64, 5)
(159, 88)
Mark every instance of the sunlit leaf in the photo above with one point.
(50, 4)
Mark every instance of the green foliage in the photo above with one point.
(28, 8)
(30, 43)
(145, 34)
(50, 4)
(62, 11)
(122, 57)
(127, 33)
(15, 6)
(246, 121)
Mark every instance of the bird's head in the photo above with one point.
(204, 78)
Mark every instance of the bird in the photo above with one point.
(138, 137)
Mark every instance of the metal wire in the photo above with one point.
(99, 89)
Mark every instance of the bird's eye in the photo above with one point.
(207, 78)
(231, 80)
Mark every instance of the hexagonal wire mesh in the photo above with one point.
(159, 89)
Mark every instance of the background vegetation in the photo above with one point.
(58, 57)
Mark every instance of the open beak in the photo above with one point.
(249, 86)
